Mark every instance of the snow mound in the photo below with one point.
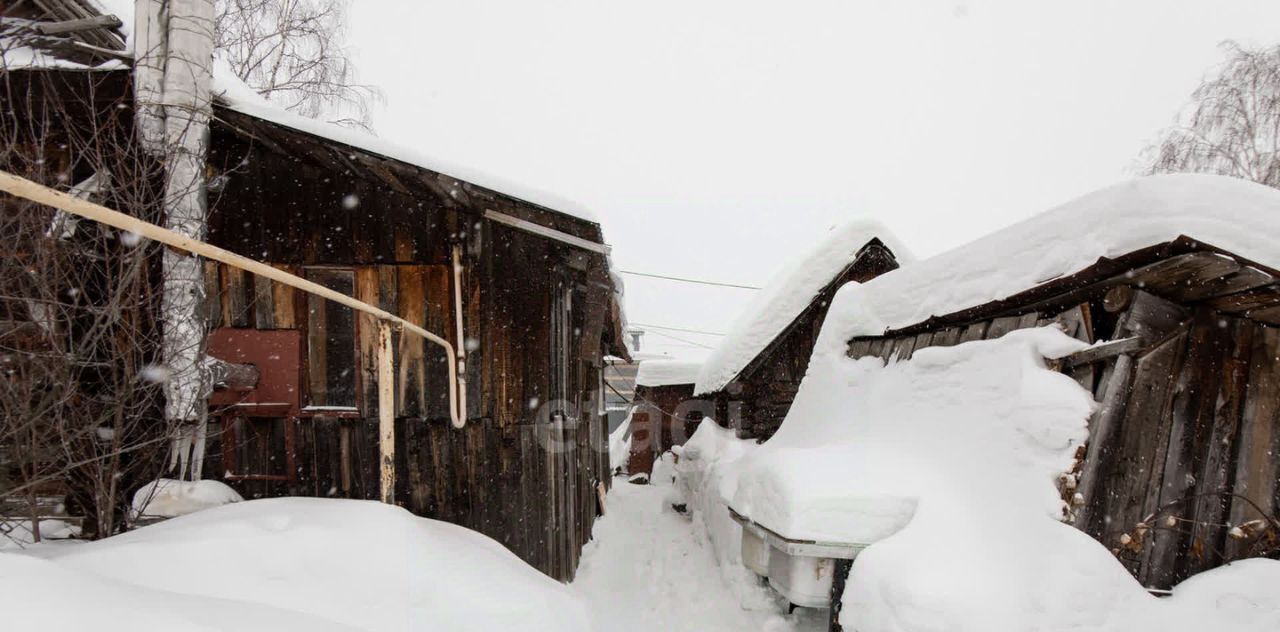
(667, 372)
(786, 296)
(1229, 213)
(865, 441)
(946, 465)
(286, 564)
(707, 478)
(168, 498)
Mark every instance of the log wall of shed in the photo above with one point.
(1185, 442)
(517, 473)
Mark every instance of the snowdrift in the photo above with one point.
(169, 498)
(946, 463)
(286, 564)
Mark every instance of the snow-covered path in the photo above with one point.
(648, 569)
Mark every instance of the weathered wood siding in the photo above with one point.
(525, 470)
(662, 417)
(1186, 438)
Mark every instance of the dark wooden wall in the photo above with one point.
(662, 417)
(1185, 443)
(535, 314)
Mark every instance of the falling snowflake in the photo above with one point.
(154, 373)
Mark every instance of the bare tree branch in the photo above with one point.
(293, 52)
(1232, 125)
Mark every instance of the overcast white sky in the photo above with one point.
(720, 138)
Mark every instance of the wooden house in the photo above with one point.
(753, 374)
(518, 281)
(664, 413)
(1181, 472)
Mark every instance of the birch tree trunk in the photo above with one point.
(185, 29)
(150, 23)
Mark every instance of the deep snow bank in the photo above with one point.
(947, 463)
(284, 564)
(706, 480)
(985, 424)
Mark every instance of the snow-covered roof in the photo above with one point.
(667, 372)
(786, 296)
(235, 95)
(1235, 215)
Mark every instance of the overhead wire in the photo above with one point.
(688, 331)
(689, 280)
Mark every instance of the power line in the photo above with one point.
(658, 333)
(687, 331)
(686, 280)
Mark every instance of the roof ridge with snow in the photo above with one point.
(787, 295)
(1231, 214)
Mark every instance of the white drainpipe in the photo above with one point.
(461, 342)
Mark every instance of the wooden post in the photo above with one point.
(386, 413)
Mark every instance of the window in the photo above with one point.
(331, 342)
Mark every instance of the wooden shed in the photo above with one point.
(753, 374)
(1181, 472)
(518, 280)
(664, 413)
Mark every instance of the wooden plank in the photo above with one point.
(1217, 452)
(1141, 443)
(1001, 326)
(922, 341)
(1268, 315)
(1152, 318)
(412, 376)
(876, 347)
(239, 306)
(900, 349)
(284, 298)
(264, 309)
(1242, 280)
(1176, 276)
(1074, 323)
(439, 317)
(317, 358)
(1102, 452)
(1100, 352)
(1194, 398)
(859, 348)
(212, 294)
(947, 337)
(976, 331)
(1261, 297)
(1256, 475)
(366, 290)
